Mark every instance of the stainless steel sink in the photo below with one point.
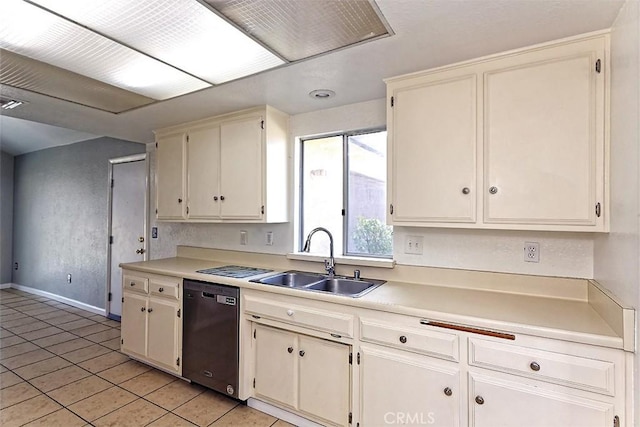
(292, 279)
(321, 283)
(343, 286)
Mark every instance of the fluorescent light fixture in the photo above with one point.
(184, 33)
(11, 104)
(299, 29)
(30, 31)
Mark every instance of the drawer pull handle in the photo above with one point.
(534, 366)
(479, 400)
(142, 309)
(290, 349)
(301, 353)
(448, 391)
(289, 312)
(161, 290)
(403, 339)
(150, 310)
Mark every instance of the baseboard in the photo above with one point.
(71, 302)
(5, 285)
(287, 416)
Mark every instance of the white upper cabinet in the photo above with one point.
(512, 141)
(169, 171)
(233, 169)
(433, 170)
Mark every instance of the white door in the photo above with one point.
(128, 213)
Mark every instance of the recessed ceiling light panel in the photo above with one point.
(322, 94)
(183, 33)
(30, 31)
(299, 29)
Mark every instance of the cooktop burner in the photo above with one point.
(235, 271)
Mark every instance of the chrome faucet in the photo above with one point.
(329, 264)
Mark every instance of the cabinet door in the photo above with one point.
(203, 169)
(544, 139)
(275, 359)
(241, 183)
(134, 324)
(163, 333)
(170, 177)
(324, 373)
(495, 402)
(402, 388)
(433, 150)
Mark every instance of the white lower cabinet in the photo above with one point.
(496, 401)
(151, 320)
(402, 388)
(304, 373)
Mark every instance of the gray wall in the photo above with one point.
(60, 217)
(6, 216)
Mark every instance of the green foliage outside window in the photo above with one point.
(372, 236)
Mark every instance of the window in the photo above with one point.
(343, 189)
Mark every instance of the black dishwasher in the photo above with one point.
(210, 335)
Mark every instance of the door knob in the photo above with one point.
(447, 391)
(479, 400)
(140, 251)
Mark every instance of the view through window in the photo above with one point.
(343, 189)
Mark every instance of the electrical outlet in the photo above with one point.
(413, 245)
(244, 238)
(268, 238)
(531, 252)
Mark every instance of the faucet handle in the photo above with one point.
(356, 274)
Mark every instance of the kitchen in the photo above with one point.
(610, 259)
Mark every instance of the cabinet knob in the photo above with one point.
(301, 353)
(479, 400)
(466, 190)
(289, 312)
(132, 283)
(447, 391)
(179, 200)
(222, 198)
(403, 339)
(493, 190)
(534, 366)
(290, 349)
(142, 309)
(215, 198)
(161, 290)
(150, 310)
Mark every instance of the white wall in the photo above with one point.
(617, 255)
(562, 254)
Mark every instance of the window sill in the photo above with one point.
(345, 260)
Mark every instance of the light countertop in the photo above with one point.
(551, 317)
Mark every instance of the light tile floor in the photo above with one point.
(61, 366)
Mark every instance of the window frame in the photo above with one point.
(345, 189)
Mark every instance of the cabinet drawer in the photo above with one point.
(564, 369)
(296, 314)
(433, 343)
(135, 283)
(164, 289)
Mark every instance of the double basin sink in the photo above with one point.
(337, 285)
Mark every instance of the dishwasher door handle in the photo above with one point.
(208, 295)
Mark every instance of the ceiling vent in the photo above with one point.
(10, 104)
